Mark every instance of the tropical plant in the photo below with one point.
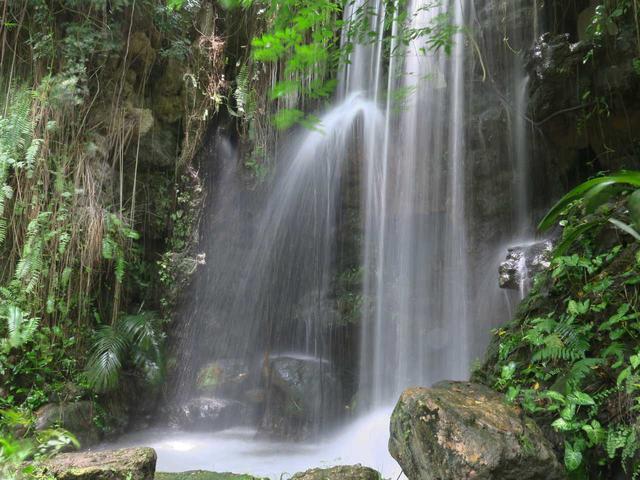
(20, 328)
(570, 357)
(21, 454)
(133, 339)
(595, 194)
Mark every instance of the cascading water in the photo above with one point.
(426, 148)
(414, 256)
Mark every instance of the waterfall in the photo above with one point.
(408, 135)
(415, 250)
(413, 179)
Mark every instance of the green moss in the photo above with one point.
(209, 376)
(202, 475)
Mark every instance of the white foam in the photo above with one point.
(242, 450)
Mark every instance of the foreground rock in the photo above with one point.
(124, 464)
(76, 417)
(460, 430)
(342, 472)
(203, 475)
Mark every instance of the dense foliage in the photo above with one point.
(22, 450)
(570, 358)
(103, 106)
(81, 237)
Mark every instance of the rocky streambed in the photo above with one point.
(451, 431)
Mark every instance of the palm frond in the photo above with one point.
(105, 361)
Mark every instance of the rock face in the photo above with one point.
(523, 263)
(226, 377)
(300, 393)
(460, 430)
(210, 413)
(124, 464)
(342, 472)
(76, 417)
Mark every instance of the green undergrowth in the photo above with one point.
(571, 356)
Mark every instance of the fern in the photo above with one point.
(31, 264)
(616, 439)
(20, 329)
(16, 131)
(563, 342)
(581, 370)
(3, 230)
(244, 96)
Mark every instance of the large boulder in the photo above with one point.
(341, 472)
(76, 417)
(461, 430)
(124, 464)
(301, 394)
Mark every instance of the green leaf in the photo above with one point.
(570, 235)
(626, 228)
(624, 374)
(175, 4)
(581, 398)
(562, 425)
(572, 457)
(622, 177)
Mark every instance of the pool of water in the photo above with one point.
(242, 450)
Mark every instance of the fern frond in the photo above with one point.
(20, 329)
(3, 231)
(581, 370)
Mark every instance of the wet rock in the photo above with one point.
(210, 413)
(68, 392)
(342, 472)
(168, 101)
(227, 377)
(301, 393)
(460, 430)
(76, 417)
(141, 52)
(124, 464)
(523, 263)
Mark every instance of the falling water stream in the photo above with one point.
(402, 150)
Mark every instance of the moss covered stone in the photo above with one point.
(202, 475)
(341, 472)
(458, 430)
(123, 464)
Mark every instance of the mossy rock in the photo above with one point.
(341, 472)
(123, 464)
(203, 475)
(76, 417)
(209, 376)
(458, 430)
